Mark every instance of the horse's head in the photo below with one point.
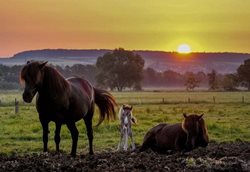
(32, 76)
(192, 125)
(126, 113)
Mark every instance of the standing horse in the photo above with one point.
(126, 117)
(185, 136)
(64, 101)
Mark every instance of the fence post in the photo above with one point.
(140, 102)
(188, 99)
(163, 101)
(243, 99)
(16, 106)
(214, 99)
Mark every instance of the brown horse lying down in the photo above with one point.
(185, 136)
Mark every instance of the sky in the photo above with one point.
(205, 25)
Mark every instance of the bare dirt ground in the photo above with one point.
(216, 157)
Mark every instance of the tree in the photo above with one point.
(212, 80)
(201, 76)
(84, 71)
(150, 77)
(172, 78)
(230, 82)
(120, 69)
(244, 73)
(191, 81)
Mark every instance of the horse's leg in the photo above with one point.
(125, 147)
(121, 140)
(88, 123)
(120, 143)
(74, 134)
(45, 126)
(132, 139)
(57, 135)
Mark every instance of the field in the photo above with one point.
(227, 115)
(227, 118)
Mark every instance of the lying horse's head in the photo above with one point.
(195, 128)
(31, 75)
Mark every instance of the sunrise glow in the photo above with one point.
(184, 49)
(141, 25)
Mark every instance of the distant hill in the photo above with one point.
(158, 60)
(60, 53)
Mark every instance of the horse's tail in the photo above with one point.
(106, 103)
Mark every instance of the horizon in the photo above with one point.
(211, 26)
(162, 51)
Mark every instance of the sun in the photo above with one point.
(184, 49)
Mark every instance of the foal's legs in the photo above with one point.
(74, 134)
(45, 126)
(125, 146)
(121, 140)
(57, 135)
(132, 139)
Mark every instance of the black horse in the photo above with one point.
(64, 101)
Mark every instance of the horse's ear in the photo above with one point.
(43, 64)
(123, 106)
(28, 62)
(131, 107)
(134, 120)
(200, 116)
(185, 115)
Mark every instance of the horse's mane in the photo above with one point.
(201, 124)
(183, 127)
(21, 77)
(203, 127)
(55, 81)
(120, 113)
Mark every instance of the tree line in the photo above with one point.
(121, 69)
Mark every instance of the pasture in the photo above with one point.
(227, 115)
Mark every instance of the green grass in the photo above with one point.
(227, 120)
